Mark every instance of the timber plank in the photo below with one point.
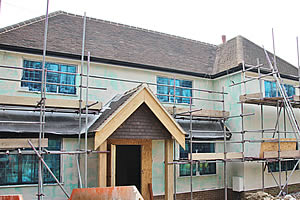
(216, 156)
(169, 170)
(200, 113)
(54, 103)
(102, 166)
(15, 143)
(283, 154)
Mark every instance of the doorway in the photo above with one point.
(128, 165)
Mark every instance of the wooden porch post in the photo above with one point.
(169, 170)
(102, 173)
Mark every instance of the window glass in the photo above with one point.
(23, 169)
(166, 89)
(285, 165)
(199, 168)
(272, 91)
(51, 77)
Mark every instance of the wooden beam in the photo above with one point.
(53, 103)
(115, 120)
(273, 146)
(283, 154)
(102, 175)
(164, 117)
(146, 157)
(296, 98)
(113, 165)
(200, 113)
(143, 95)
(244, 98)
(169, 170)
(216, 156)
(16, 143)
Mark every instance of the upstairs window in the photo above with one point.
(18, 169)
(165, 88)
(272, 91)
(198, 168)
(51, 77)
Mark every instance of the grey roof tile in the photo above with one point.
(120, 42)
(240, 49)
(113, 41)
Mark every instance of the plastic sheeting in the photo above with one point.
(56, 123)
(203, 129)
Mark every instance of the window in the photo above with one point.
(285, 166)
(272, 91)
(199, 168)
(23, 169)
(51, 77)
(165, 90)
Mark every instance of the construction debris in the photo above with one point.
(265, 196)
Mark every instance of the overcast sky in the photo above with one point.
(202, 20)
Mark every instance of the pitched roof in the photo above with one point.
(240, 49)
(112, 41)
(118, 42)
(122, 107)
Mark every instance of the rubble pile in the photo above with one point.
(265, 196)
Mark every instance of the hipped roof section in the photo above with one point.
(240, 49)
(121, 108)
(135, 46)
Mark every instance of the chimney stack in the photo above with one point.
(224, 39)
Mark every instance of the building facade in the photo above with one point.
(122, 57)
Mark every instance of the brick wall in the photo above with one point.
(219, 194)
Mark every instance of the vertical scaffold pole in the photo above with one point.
(42, 108)
(191, 148)
(80, 101)
(225, 146)
(174, 148)
(86, 121)
(261, 125)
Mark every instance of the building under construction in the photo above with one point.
(87, 103)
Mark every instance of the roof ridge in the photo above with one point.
(146, 30)
(28, 22)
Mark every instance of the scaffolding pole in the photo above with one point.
(80, 101)
(86, 124)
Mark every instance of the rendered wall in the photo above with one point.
(234, 124)
(112, 71)
(253, 170)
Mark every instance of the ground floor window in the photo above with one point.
(23, 169)
(285, 166)
(198, 168)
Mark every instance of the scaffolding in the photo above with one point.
(280, 102)
(283, 102)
